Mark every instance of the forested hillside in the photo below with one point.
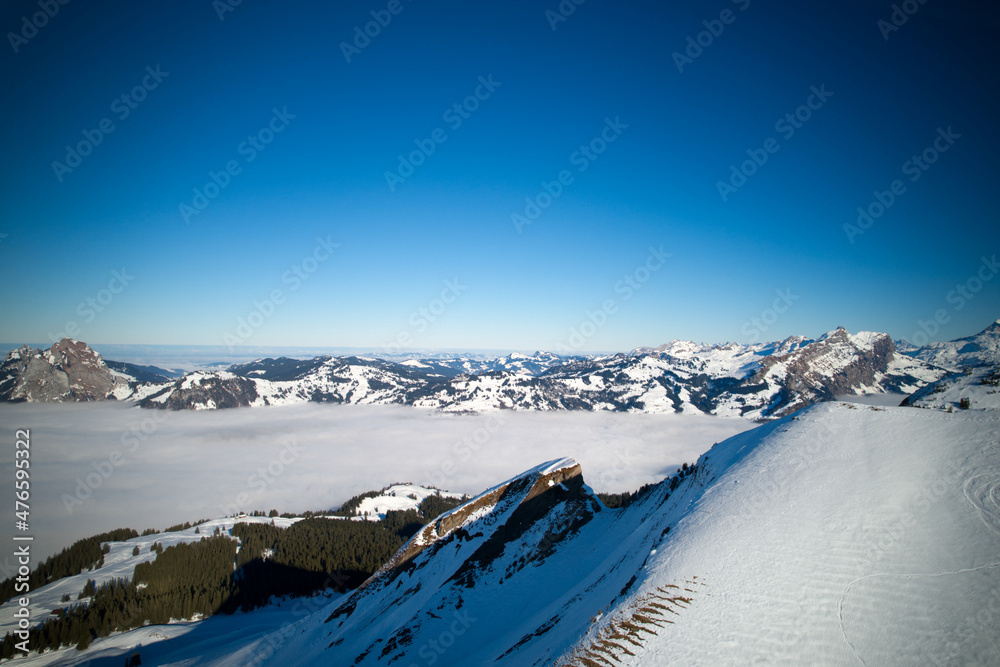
(240, 568)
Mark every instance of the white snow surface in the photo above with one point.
(853, 536)
(980, 385)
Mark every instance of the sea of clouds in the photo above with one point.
(100, 466)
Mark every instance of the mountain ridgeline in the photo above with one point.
(759, 381)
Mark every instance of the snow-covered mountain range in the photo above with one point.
(982, 349)
(759, 381)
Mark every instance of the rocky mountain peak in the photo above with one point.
(503, 535)
(837, 363)
(204, 391)
(68, 371)
(838, 334)
(528, 498)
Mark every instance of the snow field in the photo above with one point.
(868, 552)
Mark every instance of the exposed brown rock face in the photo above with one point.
(68, 371)
(808, 376)
(552, 503)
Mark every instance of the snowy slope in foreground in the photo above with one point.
(849, 536)
(843, 535)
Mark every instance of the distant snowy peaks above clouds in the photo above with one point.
(981, 349)
(760, 381)
(686, 349)
(754, 381)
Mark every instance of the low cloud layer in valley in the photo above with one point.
(95, 467)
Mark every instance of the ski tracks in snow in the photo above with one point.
(982, 491)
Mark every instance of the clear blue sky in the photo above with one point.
(189, 279)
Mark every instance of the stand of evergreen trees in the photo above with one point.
(210, 576)
(350, 507)
(430, 507)
(82, 555)
(185, 580)
(310, 555)
(186, 525)
(626, 498)
(433, 506)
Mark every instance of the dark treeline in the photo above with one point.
(351, 506)
(211, 576)
(433, 506)
(82, 555)
(185, 580)
(317, 553)
(626, 498)
(314, 554)
(186, 525)
(430, 507)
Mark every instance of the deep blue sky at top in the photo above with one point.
(656, 185)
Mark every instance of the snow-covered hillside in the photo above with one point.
(398, 497)
(843, 534)
(119, 562)
(975, 388)
(850, 535)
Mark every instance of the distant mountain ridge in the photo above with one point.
(757, 381)
(982, 349)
